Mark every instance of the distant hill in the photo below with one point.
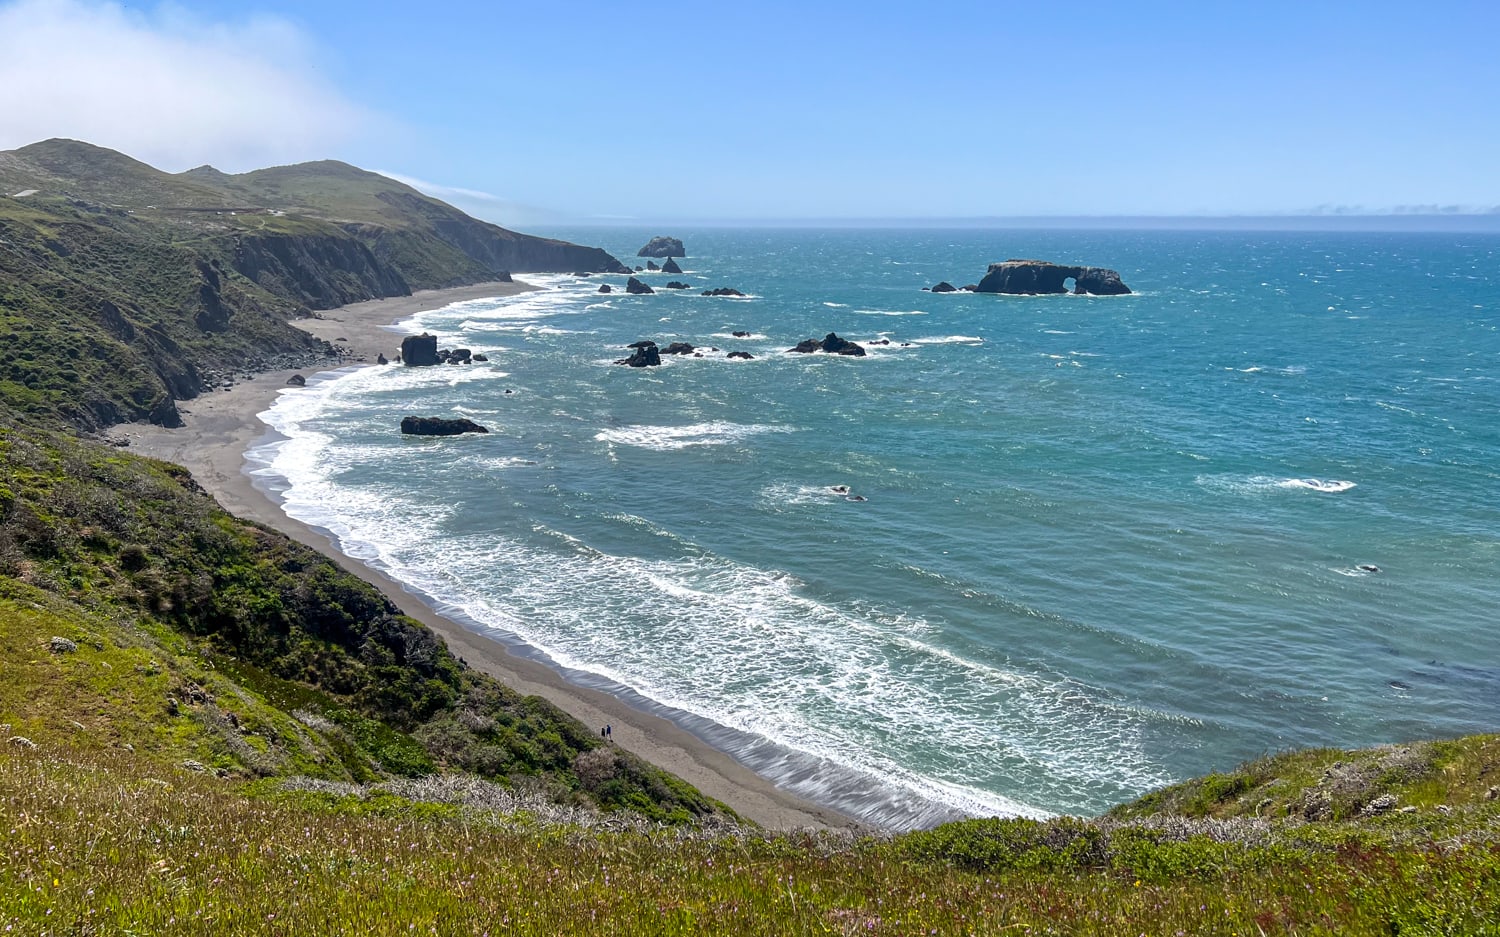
(123, 288)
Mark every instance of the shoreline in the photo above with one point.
(221, 426)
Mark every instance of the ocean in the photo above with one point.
(1105, 543)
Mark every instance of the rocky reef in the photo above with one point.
(662, 247)
(437, 426)
(1040, 276)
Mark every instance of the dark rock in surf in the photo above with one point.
(606, 288)
(297, 380)
(437, 426)
(646, 355)
(670, 266)
(678, 348)
(381, 359)
(637, 288)
(723, 291)
(480, 359)
(419, 351)
(742, 355)
(651, 265)
(675, 285)
(740, 334)
(945, 287)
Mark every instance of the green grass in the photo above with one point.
(99, 844)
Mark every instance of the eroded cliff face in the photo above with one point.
(317, 270)
(1040, 276)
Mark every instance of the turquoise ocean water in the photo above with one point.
(1107, 543)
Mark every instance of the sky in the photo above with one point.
(582, 112)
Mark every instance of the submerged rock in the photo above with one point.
(438, 426)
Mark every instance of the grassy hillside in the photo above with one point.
(203, 637)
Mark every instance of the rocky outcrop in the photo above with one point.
(662, 247)
(945, 287)
(651, 265)
(675, 285)
(419, 350)
(670, 266)
(743, 355)
(831, 344)
(438, 426)
(678, 348)
(1039, 276)
(637, 288)
(320, 271)
(646, 355)
(723, 291)
(606, 288)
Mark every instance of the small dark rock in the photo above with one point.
(297, 380)
(504, 277)
(637, 288)
(678, 348)
(438, 426)
(670, 266)
(832, 344)
(480, 358)
(970, 288)
(606, 288)
(676, 285)
(580, 273)
(744, 355)
(651, 265)
(807, 346)
(381, 359)
(945, 287)
(646, 355)
(459, 355)
(639, 268)
(723, 291)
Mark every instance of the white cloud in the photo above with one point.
(166, 87)
(481, 204)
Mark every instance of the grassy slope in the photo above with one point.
(168, 596)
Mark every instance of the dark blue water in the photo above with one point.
(1107, 543)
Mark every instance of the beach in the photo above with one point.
(221, 425)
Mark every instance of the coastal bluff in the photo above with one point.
(1040, 276)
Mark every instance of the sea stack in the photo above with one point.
(662, 247)
(1039, 276)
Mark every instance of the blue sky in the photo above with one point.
(593, 111)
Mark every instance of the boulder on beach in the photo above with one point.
(637, 288)
(646, 355)
(1040, 276)
(662, 247)
(419, 350)
(670, 266)
(381, 359)
(297, 380)
(438, 426)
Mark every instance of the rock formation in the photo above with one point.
(651, 265)
(675, 285)
(606, 288)
(1039, 276)
(678, 348)
(832, 344)
(670, 266)
(637, 288)
(419, 350)
(944, 287)
(437, 426)
(646, 355)
(723, 291)
(745, 355)
(297, 380)
(662, 247)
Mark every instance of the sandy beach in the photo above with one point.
(221, 425)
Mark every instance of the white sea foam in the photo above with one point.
(837, 305)
(889, 312)
(949, 340)
(1265, 484)
(683, 437)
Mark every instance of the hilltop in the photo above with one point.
(124, 289)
